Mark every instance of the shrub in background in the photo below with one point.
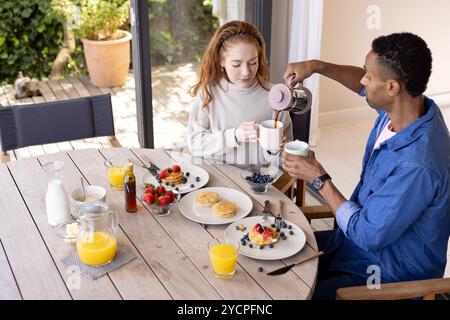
(30, 37)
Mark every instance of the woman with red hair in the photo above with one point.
(232, 98)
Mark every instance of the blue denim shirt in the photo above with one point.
(398, 217)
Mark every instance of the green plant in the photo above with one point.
(30, 37)
(180, 30)
(93, 19)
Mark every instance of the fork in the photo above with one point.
(152, 168)
(265, 211)
(278, 219)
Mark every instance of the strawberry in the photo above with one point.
(258, 228)
(149, 198)
(176, 168)
(267, 234)
(161, 190)
(164, 200)
(150, 190)
(171, 195)
(164, 174)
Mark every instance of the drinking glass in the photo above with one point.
(223, 255)
(115, 173)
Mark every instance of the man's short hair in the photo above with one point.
(408, 57)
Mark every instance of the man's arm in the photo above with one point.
(349, 76)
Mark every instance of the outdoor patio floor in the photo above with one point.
(171, 103)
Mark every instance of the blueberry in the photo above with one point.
(248, 178)
(159, 181)
(243, 241)
(173, 186)
(261, 246)
(187, 174)
(291, 232)
(284, 238)
(176, 189)
(284, 224)
(192, 186)
(271, 245)
(282, 234)
(250, 245)
(260, 269)
(246, 236)
(167, 183)
(169, 170)
(289, 227)
(278, 230)
(183, 180)
(197, 179)
(272, 225)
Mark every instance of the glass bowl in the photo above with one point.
(161, 210)
(260, 178)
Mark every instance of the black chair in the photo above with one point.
(300, 128)
(50, 122)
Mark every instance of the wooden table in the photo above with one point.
(172, 260)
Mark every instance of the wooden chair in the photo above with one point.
(427, 289)
(301, 125)
(50, 122)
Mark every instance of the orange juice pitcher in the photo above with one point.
(96, 241)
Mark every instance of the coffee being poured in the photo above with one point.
(296, 100)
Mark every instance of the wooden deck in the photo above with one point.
(171, 102)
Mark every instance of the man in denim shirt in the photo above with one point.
(397, 220)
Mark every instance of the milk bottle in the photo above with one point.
(56, 198)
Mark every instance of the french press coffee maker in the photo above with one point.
(297, 100)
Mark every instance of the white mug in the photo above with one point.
(270, 137)
(297, 147)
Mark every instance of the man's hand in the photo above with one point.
(302, 70)
(304, 168)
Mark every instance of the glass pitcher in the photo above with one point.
(96, 241)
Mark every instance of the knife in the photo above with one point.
(287, 268)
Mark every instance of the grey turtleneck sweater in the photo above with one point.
(211, 129)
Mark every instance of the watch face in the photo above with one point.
(317, 183)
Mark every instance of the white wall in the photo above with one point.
(346, 39)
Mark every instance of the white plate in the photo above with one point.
(194, 172)
(204, 215)
(281, 249)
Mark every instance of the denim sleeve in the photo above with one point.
(390, 209)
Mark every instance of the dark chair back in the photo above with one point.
(50, 122)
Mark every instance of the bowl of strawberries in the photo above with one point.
(159, 200)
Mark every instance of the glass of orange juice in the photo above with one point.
(115, 173)
(223, 256)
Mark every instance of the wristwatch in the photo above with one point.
(318, 182)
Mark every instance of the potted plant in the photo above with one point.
(106, 47)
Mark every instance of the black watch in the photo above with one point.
(318, 182)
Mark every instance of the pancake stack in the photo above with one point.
(224, 209)
(207, 199)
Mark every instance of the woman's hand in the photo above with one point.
(247, 131)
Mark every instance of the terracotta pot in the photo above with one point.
(108, 61)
